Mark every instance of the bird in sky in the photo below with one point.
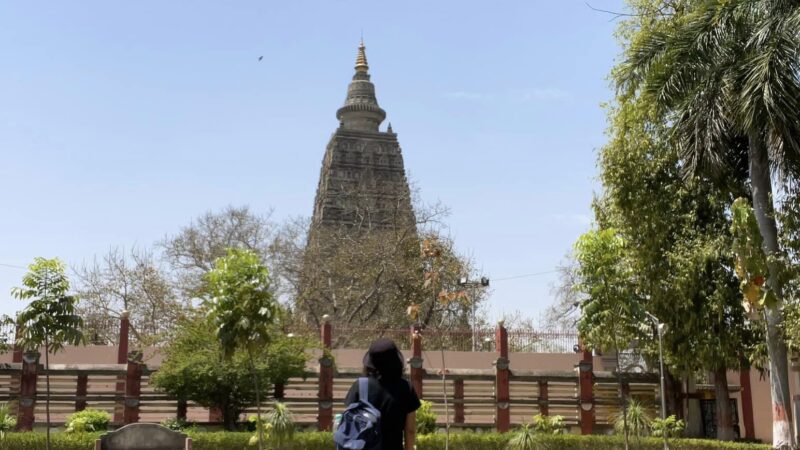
(260, 58)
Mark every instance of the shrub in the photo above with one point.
(638, 419)
(523, 438)
(281, 425)
(324, 441)
(7, 420)
(426, 418)
(177, 424)
(88, 420)
(549, 424)
(670, 427)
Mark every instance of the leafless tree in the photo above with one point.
(126, 281)
(192, 251)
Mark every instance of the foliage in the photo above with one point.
(50, 318)
(261, 428)
(549, 424)
(426, 418)
(672, 427)
(87, 421)
(324, 441)
(7, 420)
(611, 309)
(751, 261)
(193, 368)
(281, 425)
(638, 419)
(241, 305)
(177, 424)
(724, 76)
(242, 309)
(524, 438)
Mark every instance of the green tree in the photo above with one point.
(49, 320)
(195, 368)
(721, 71)
(679, 246)
(610, 311)
(242, 309)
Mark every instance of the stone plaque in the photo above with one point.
(143, 436)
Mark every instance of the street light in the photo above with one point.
(660, 328)
(464, 282)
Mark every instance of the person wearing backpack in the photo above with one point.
(387, 392)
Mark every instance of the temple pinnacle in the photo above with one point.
(361, 59)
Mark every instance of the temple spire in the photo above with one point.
(361, 110)
(361, 59)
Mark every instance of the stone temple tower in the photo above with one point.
(362, 184)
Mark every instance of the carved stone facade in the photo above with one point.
(362, 182)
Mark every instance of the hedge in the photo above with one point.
(324, 441)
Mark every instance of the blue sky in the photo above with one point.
(121, 121)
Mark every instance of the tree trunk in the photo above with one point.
(674, 403)
(259, 425)
(623, 400)
(724, 411)
(760, 179)
(229, 417)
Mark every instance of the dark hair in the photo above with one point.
(383, 360)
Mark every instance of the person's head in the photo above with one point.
(383, 360)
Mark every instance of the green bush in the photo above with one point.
(324, 441)
(671, 427)
(177, 424)
(7, 420)
(549, 424)
(639, 419)
(87, 420)
(426, 418)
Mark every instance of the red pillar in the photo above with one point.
(502, 380)
(122, 358)
(27, 391)
(586, 391)
(458, 400)
(16, 380)
(133, 388)
(544, 404)
(325, 393)
(417, 372)
(747, 404)
(81, 391)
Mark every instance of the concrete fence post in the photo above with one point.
(502, 380)
(133, 388)
(27, 391)
(325, 393)
(586, 390)
(122, 358)
(415, 362)
(81, 391)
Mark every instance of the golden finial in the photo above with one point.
(361, 60)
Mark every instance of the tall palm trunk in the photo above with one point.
(760, 178)
(724, 410)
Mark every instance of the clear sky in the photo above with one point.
(122, 121)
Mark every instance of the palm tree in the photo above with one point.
(723, 71)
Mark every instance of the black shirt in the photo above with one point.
(395, 398)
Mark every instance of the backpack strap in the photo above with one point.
(363, 389)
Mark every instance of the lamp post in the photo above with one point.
(659, 328)
(464, 282)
